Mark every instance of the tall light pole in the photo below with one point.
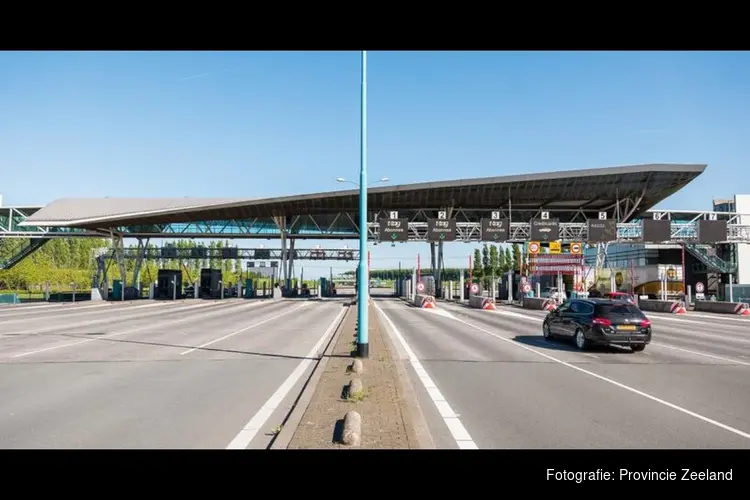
(363, 346)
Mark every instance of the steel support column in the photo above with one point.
(119, 246)
(290, 260)
(142, 246)
(433, 266)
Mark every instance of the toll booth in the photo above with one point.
(253, 291)
(399, 287)
(515, 286)
(250, 291)
(210, 283)
(168, 285)
(290, 288)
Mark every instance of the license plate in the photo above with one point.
(628, 328)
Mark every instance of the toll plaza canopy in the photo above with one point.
(624, 192)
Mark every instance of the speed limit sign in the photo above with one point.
(699, 287)
(420, 287)
(534, 247)
(474, 288)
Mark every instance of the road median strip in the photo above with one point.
(352, 402)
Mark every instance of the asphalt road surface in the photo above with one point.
(147, 374)
(488, 379)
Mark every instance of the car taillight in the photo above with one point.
(646, 323)
(602, 322)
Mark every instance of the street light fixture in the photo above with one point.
(382, 180)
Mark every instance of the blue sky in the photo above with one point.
(226, 124)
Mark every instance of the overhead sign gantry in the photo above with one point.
(545, 229)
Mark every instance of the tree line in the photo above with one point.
(63, 261)
(491, 261)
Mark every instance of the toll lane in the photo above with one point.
(696, 379)
(24, 323)
(149, 339)
(41, 334)
(286, 333)
(134, 394)
(511, 392)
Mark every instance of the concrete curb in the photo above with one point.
(294, 418)
(411, 403)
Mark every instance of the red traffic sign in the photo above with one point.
(474, 287)
(534, 247)
(527, 288)
(699, 287)
(420, 287)
(575, 248)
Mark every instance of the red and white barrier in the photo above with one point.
(743, 309)
(478, 302)
(549, 305)
(677, 308)
(424, 301)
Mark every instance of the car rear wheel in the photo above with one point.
(580, 338)
(545, 331)
(638, 348)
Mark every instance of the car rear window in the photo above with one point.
(625, 309)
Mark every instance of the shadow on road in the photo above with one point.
(181, 346)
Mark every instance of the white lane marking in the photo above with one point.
(613, 382)
(439, 312)
(22, 308)
(70, 309)
(110, 335)
(722, 358)
(680, 319)
(65, 327)
(712, 336)
(243, 329)
(251, 428)
(451, 419)
(660, 344)
(17, 308)
(720, 317)
(59, 317)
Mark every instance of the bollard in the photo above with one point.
(357, 367)
(352, 433)
(355, 388)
